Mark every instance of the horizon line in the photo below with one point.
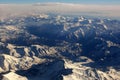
(60, 3)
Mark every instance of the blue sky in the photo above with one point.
(115, 2)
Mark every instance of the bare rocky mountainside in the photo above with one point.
(47, 47)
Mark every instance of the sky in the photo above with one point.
(108, 2)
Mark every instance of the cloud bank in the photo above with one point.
(7, 10)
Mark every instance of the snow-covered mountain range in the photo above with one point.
(57, 47)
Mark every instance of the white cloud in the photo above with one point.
(61, 8)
